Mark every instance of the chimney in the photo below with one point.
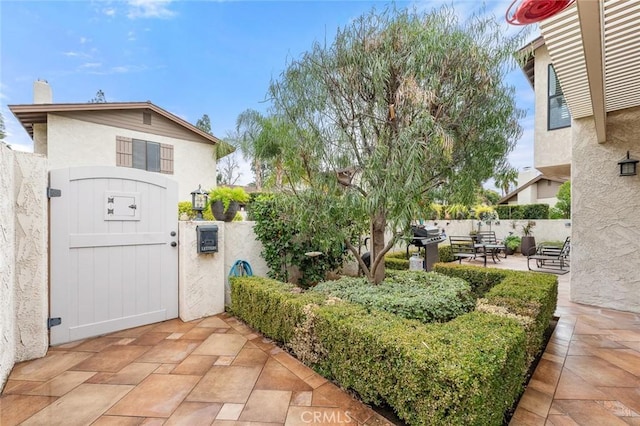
(42, 92)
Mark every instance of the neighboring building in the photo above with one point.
(535, 189)
(594, 47)
(124, 134)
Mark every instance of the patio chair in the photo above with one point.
(552, 258)
(489, 239)
(466, 248)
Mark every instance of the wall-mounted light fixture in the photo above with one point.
(628, 166)
(199, 201)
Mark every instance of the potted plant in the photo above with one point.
(511, 242)
(528, 242)
(225, 201)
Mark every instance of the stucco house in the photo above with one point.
(124, 134)
(585, 70)
(534, 188)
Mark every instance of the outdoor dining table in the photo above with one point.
(492, 249)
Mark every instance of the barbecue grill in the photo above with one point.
(427, 238)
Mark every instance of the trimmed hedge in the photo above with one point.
(467, 371)
(429, 297)
(523, 211)
(397, 260)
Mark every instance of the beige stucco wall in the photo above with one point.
(242, 244)
(23, 259)
(7, 265)
(552, 148)
(201, 275)
(79, 143)
(605, 259)
(203, 283)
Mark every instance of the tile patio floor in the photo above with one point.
(218, 371)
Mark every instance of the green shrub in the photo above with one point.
(523, 211)
(397, 260)
(480, 279)
(273, 307)
(185, 207)
(445, 254)
(467, 371)
(426, 297)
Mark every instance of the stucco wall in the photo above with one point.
(201, 275)
(552, 148)
(605, 259)
(242, 244)
(23, 259)
(203, 283)
(79, 143)
(7, 265)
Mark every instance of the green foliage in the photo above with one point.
(427, 108)
(505, 178)
(480, 279)
(426, 297)
(285, 239)
(397, 260)
(562, 209)
(273, 307)
(184, 207)
(227, 194)
(527, 228)
(524, 211)
(466, 371)
(512, 242)
(457, 211)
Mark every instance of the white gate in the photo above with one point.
(113, 251)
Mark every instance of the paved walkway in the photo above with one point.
(212, 371)
(589, 373)
(218, 371)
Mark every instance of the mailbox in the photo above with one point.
(207, 238)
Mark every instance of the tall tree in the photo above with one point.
(505, 178)
(399, 104)
(262, 139)
(99, 98)
(227, 169)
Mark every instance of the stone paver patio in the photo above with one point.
(218, 371)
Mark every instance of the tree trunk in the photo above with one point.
(378, 226)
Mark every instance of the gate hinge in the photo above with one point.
(52, 322)
(53, 193)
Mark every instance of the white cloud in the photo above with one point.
(131, 36)
(150, 9)
(84, 40)
(109, 11)
(91, 65)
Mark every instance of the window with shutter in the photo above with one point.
(144, 155)
(124, 152)
(166, 158)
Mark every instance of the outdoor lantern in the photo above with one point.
(628, 166)
(199, 201)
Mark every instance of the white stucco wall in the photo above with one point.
(7, 265)
(552, 148)
(201, 275)
(605, 259)
(203, 283)
(242, 244)
(79, 143)
(23, 259)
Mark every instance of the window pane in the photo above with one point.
(558, 113)
(139, 154)
(153, 157)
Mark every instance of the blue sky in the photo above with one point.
(188, 57)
